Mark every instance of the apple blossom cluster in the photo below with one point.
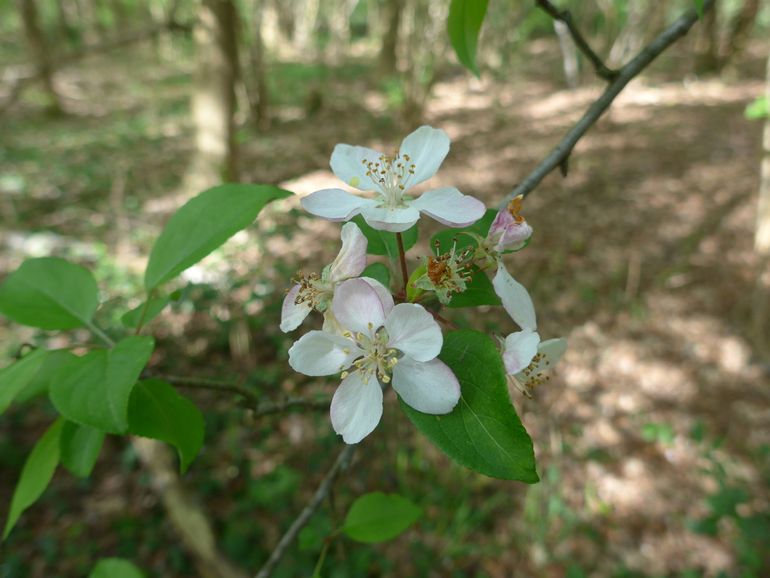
(374, 338)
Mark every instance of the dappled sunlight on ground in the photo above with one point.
(641, 258)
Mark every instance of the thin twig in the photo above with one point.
(261, 408)
(340, 464)
(213, 384)
(402, 258)
(101, 335)
(559, 155)
(143, 314)
(565, 16)
(271, 407)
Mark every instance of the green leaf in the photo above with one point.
(159, 412)
(464, 24)
(80, 447)
(384, 242)
(35, 475)
(204, 223)
(479, 291)
(131, 319)
(311, 537)
(483, 432)
(41, 381)
(379, 272)
(115, 568)
(758, 109)
(378, 517)
(49, 293)
(95, 389)
(17, 376)
(448, 238)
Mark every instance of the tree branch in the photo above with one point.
(261, 408)
(559, 155)
(272, 407)
(565, 16)
(341, 463)
(213, 384)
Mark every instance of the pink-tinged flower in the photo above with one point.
(525, 357)
(381, 343)
(390, 177)
(314, 291)
(509, 230)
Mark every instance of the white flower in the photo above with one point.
(380, 343)
(548, 354)
(390, 177)
(314, 291)
(525, 357)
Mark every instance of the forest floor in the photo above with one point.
(652, 437)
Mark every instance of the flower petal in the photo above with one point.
(551, 351)
(413, 330)
(382, 292)
(450, 207)
(320, 353)
(520, 348)
(515, 298)
(506, 232)
(427, 148)
(357, 307)
(349, 163)
(334, 204)
(356, 407)
(394, 220)
(351, 259)
(429, 387)
(293, 313)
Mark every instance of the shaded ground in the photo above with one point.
(652, 438)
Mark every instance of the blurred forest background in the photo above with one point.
(652, 437)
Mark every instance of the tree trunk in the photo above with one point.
(40, 53)
(761, 298)
(707, 46)
(339, 28)
(568, 53)
(424, 40)
(388, 54)
(738, 31)
(259, 93)
(184, 513)
(213, 101)
(67, 31)
(762, 237)
(305, 19)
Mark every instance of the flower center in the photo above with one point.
(532, 376)
(378, 359)
(390, 175)
(313, 290)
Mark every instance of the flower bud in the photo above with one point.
(509, 230)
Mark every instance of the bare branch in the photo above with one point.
(341, 463)
(213, 384)
(261, 408)
(559, 155)
(271, 407)
(565, 16)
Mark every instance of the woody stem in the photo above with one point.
(402, 257)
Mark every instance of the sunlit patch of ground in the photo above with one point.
(641, 258)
